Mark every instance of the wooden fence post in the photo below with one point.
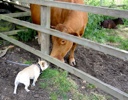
(45, 22)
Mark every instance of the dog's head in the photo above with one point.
(43, 64)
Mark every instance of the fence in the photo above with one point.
(44, 28)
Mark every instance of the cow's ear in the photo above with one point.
(76, 34)
(71, 31)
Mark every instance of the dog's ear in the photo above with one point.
(42, 64)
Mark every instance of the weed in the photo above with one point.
(26, 35)
(95, 96)
(90, 86)
(1, 42)
(53, 96)
(27, 62)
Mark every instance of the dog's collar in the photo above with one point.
(39, 68)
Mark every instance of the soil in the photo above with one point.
(107, 68)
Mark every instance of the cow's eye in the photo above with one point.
(63, 41)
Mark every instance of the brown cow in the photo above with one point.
(68, 21)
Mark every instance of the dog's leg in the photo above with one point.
(15, 89)
(34, 80)
(27, 83)
(26, 88)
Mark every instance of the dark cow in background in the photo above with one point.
(111, 23)
(68, 21)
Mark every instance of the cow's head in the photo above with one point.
(60, 46)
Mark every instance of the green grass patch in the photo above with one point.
(28, 62)
(124, 45)
(27, 35)
(90, 86)
(62, 87)
(58, 81)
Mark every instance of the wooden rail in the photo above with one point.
(19, 14)
(85, 8)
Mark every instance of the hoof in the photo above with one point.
(72, 62)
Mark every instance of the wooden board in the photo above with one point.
(86, 8)
(45, 22)
(19, 14)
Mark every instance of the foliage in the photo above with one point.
(108, 3)
(6, 26)
(26, 35)
(1, 42)
(92, 2)
(90, 86)
(94, 31)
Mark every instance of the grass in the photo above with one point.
(27, 62)
(60, 86)
(90, 86)
(53, 77)
(101, 35)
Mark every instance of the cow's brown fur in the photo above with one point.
(68, 21)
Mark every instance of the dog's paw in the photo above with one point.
(27, 90)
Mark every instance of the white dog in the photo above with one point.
(31, 72)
